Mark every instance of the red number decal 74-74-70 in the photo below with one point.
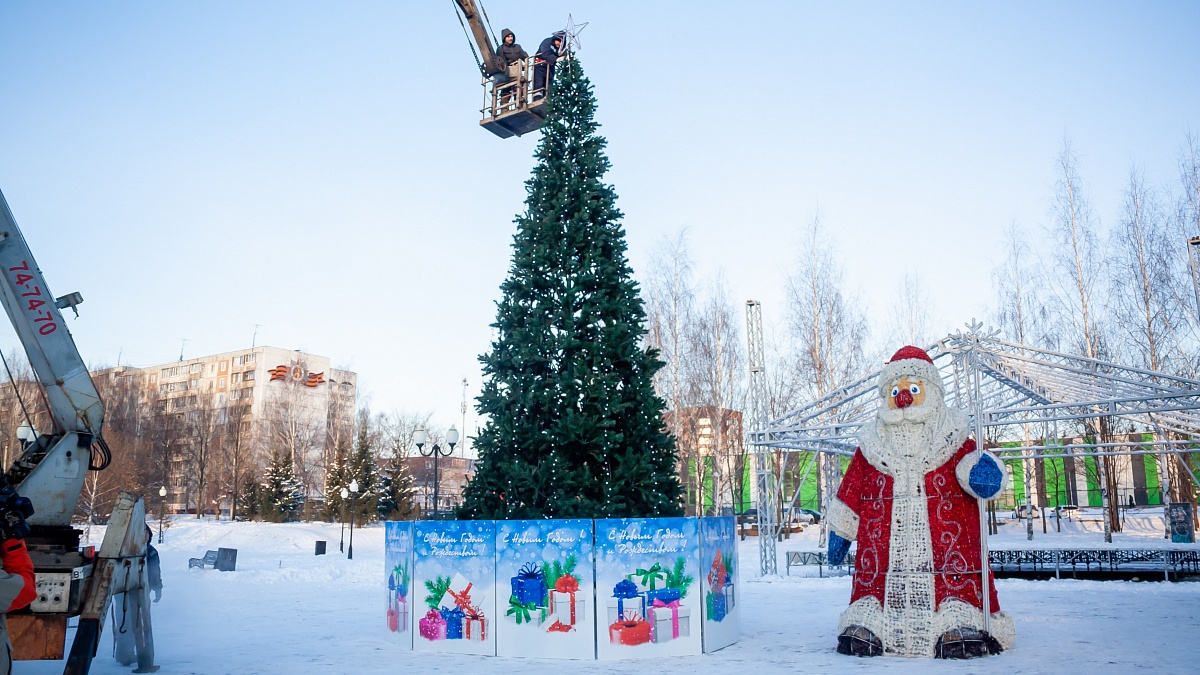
(42, 318)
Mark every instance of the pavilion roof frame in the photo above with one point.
(1018, 385)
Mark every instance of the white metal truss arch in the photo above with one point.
(1017, 385)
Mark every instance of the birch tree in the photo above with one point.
(716, 382)
(828, 333)
(911, 313)
(1077, 283)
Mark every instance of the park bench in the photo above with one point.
(223, 559)
(818, 558)
(210, 558)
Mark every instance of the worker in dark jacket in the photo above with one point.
(17, 589)
(510, 55)
(543, 68)
(510, 52)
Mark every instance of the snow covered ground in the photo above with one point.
(287, 611)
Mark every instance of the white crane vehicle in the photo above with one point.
(71, 581)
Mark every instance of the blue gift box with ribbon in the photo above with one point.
(454, 622)
(530, 585)
(665, 595)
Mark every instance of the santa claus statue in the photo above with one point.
(910, 498)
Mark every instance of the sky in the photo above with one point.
(311, 175)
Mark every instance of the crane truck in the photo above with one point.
(72, 581)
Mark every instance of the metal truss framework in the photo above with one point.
(1006, 387)
(764, 472)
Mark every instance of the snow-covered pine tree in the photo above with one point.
(396, 495)
(281, 494)
(247, 501)
(362, 468)
(574, 426)
(337, 476)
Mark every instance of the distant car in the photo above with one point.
(1025, 511)
(1068, 510)
(808, 515)
(749, 516)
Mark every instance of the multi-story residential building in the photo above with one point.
(714, 469)
(263, 400)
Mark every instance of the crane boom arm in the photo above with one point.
(75, 404)
(491, 64)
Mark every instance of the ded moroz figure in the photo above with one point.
(910, 499)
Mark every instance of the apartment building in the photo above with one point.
(284, 399)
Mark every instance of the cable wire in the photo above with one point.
(16, 391)
(495, 42)
(470, 42)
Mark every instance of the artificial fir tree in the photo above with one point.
(574, 427)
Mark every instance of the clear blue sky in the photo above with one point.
(196, 168)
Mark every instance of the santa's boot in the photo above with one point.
(859, 641)
(966, 643)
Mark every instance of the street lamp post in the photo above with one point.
(353, 495)
(342, 543)
(162, 510)
(435, 451)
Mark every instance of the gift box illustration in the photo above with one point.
(450, 599)
(454, 618)
(720, 599)
(432, 626)
(474, 624)
(460, 593)
(671, 621)
(529, 585)
(626, 600)
(631, 630)
(649, 578)
(525, 613)
(566, 602)
(397, 614)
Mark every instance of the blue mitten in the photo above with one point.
(986, 477)
(838, 547)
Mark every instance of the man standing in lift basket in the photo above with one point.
(511, 55)
(17, 586)
(543, 65)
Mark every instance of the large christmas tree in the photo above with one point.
(574, 429)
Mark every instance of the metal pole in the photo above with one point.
(763, 469)
(342, 541)
(162, 513)
(350, 551)
(436, 506)
(977, 419)
(1194, 264)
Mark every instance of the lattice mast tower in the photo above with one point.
(764, 471)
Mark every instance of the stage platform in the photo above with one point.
(1169, 563)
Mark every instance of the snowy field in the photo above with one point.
(287, 611)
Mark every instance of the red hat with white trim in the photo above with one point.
(914, 363)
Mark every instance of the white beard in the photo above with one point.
(917, 437)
